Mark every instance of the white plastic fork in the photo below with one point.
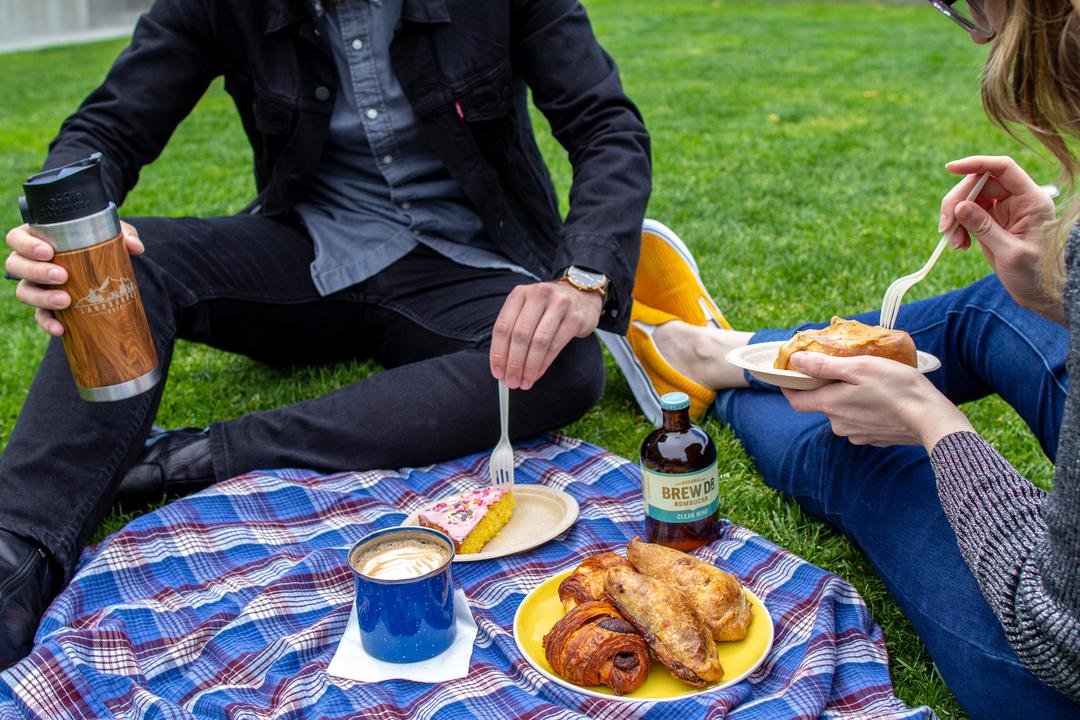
(501, 465)
(890, 304)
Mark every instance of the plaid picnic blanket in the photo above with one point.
(230, 604)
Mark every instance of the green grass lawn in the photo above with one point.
(799, 149)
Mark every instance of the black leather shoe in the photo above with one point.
(175, 463)
(27, 586)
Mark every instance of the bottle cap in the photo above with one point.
(674, 401)
(68, 192)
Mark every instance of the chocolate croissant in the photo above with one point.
(669, 625)
(715, 595)
(594, 645)
(586, 583)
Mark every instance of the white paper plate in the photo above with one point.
(540, 514)
(759, 358)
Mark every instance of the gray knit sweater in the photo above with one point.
(1023, 544)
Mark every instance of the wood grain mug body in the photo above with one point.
(106, 335)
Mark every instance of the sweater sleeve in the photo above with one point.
(1021, 544)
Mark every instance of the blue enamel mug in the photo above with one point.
(404, 593)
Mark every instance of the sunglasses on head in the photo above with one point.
(968, 14)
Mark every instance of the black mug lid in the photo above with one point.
(68, 192)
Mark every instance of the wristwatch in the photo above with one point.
(585, 280)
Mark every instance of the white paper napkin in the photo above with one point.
(353, 663)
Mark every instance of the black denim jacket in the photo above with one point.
(464, 65)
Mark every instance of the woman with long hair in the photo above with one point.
(985, 565)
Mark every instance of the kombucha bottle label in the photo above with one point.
(680, 497)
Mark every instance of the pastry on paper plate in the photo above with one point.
(472, 518)
(847, 338)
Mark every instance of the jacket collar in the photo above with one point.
(282, 13)
(425, 11)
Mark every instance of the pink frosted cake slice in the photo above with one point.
(472, 518)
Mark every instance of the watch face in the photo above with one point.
(586, 278)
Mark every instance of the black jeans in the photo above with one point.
(242, 284)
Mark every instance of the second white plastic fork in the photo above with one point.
(501, 465)
(890, 304)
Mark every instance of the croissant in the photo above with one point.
(593, 645)
(715, 595)
(669, 625)
(586, 583)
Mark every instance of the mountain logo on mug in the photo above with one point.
(107, 297)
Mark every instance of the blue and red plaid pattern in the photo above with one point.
(230, 603)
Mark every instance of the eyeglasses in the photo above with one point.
(968, 14)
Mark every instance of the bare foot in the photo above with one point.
(698, 353)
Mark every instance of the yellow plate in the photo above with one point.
(541, 609)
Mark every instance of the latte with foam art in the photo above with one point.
(400, 558)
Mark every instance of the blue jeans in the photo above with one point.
(886, 501)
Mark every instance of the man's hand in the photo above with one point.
(877, 401)
(30, 263)
(536, 322)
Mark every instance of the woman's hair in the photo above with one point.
(1032, 78)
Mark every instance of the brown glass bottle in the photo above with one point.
(679, 479)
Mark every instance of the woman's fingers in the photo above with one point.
(958, 192)
(831, 367)
(1006, 174)
(984, 228)
(991, 192)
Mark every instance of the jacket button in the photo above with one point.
(322, 94)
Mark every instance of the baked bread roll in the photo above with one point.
(594, 645)
(716, 596)
(586, 583)
(847, 338)
(669, 625)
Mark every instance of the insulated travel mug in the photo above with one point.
(106, 337)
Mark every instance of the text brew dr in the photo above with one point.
(679, 479)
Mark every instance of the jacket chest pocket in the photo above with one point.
(272, 116)
(268, 114)
(486, 98)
